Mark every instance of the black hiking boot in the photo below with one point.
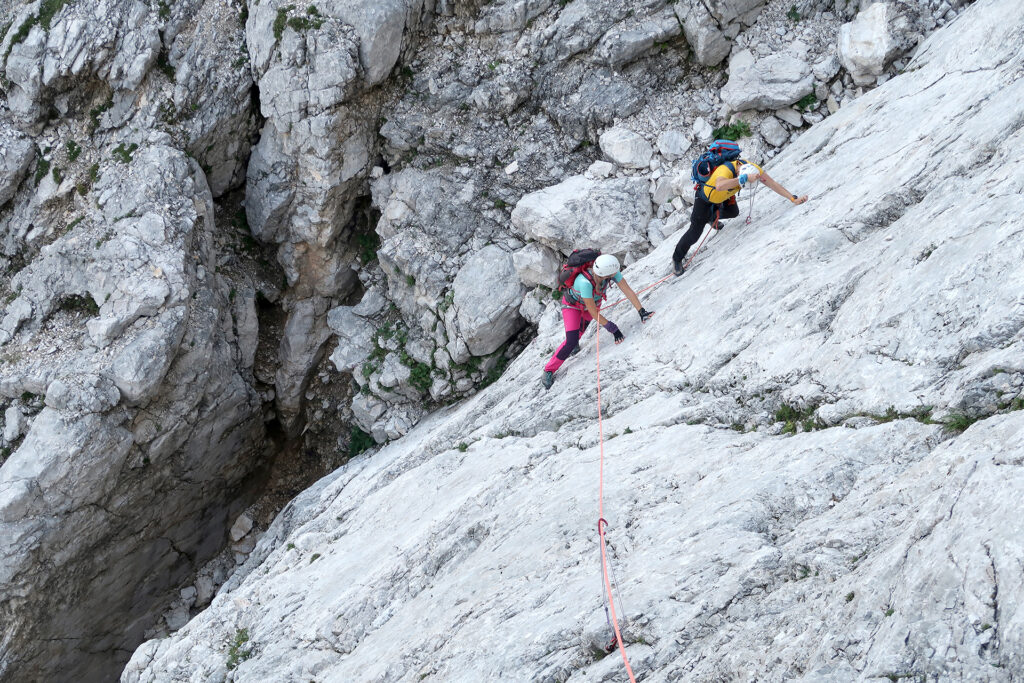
(678, 268)
(574, 351)
(548, 379)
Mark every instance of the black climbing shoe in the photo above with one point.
(548, 379)
(575, 351)
(677, 268)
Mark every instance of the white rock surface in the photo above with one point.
(626, 148)
(878, 548)
(767, 82)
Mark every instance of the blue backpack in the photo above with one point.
(717, 154)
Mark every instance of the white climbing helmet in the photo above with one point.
(750, 170)
(606, 265)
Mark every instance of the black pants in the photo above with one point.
(703, 213)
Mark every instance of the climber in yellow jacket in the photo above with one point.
(716, 199)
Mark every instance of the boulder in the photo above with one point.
(626, 148)
(674, 144)
(536, 265)
(702, 130)
(773, 131)
(355, 338)
(609, 214)
(623, 45)
(869, 42)
(487, 298)
(703, 33)
(766, 83)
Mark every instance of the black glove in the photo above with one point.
(645, 315)
(619, 337)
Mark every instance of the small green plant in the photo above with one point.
(410, 280)
(463, 447)
(73, 150)
(958, 422)
(627, 430)
(367, 243)
(124, 154)
(493, 65)
(96, 112)
(291, 546)
(807, 102)
(737, 427)
(985, 627)
(163, 62)
(281, 20)
(82, 304)
(735, 131)
(58, 175)
(849, 596)
(163, 10)
(314, 558)
(237, 652)
(500, 203)
(359, 441)
(793, 14)
(889, 612)
(42, 168)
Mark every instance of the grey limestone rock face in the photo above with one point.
(16, 154)
(620, 46)
(95, 487)
(766, 83)
(609, 214)
(487, 298)
(316, 76)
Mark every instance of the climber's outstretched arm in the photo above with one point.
(780, 190)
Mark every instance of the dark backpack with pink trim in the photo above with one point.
(578, 262)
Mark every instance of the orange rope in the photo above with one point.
(600, 513)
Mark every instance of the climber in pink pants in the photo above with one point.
(579, 307)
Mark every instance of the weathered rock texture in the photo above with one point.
(126, 477)
(829, 535)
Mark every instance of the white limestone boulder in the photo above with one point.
(355, 338)
(767, 82)
(674, 144)
(610, 215)
(488, 294)
(536, 265)
(869, 42)
(626, 148)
